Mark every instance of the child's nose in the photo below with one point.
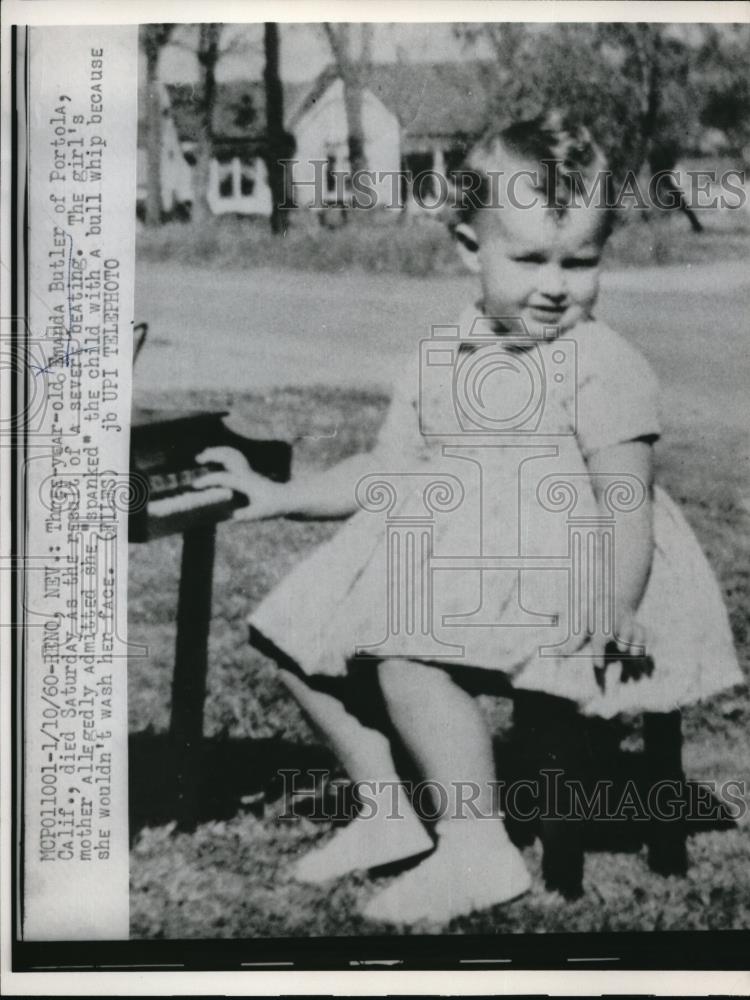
(553, 283)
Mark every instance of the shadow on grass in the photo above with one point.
(231, 774)
(234, 775)
(614, 799)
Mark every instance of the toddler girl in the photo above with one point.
(529, 473)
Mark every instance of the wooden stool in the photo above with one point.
(553, 738)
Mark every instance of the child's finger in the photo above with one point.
(600, 676)
(249, 513)
(226, 479)
(212, 455)
(569, 647)
(230, 458)
(633, 641)
(639, 638)
(598, 650)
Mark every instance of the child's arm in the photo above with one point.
(317, 495)
(327, 494)
(633, 539)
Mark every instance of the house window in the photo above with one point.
(417, 178)
(226, 180)
(247, 180)
(454, 158)
(331, 173)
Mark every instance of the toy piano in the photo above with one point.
(166, 500)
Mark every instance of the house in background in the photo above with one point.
(442, 108)
(237, 174)
(319, 127)
(417, 118)
(237, 177)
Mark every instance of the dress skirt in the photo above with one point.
(334, 606)
(471, 550)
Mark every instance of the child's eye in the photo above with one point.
(579, 262)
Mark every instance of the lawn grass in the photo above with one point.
(228, 879)
(378, 242)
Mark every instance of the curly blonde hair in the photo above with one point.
(568, 162)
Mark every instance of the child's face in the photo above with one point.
(537, 266)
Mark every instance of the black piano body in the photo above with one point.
(165, 500)
(163, 466)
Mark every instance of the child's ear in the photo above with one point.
(467, 245)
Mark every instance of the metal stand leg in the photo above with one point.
(662, 746)
(191, 664)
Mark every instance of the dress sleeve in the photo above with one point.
(617, 397)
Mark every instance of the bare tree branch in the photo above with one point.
(353, 72)
(209, 36)
(242, 42)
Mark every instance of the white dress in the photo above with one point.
(482, 457)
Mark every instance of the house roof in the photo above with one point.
(433, 100)
(437, 99)
(239, 118)
(429, 100)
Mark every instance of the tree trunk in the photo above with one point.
(201, 210)
(154, 140)
(277, 145)
(153, 38)
(208, 56)
(353, 93)
(652, 105)
(353, 73)
(661, 154)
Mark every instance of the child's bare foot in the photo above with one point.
(465, 873)
(365, 843)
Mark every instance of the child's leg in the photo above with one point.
(393, 831)
(475, 865)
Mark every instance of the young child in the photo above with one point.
(535, 246)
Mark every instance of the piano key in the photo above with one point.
(184, 511)
(190, 500)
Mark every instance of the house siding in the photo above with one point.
(321, 132)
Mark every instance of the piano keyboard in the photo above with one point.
(165, 484)
(183, 511)
(180, 503)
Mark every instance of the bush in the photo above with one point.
(371, 243)
(660, 238)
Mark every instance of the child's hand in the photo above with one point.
(629, 639)
(264, 496)
(628, 648)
